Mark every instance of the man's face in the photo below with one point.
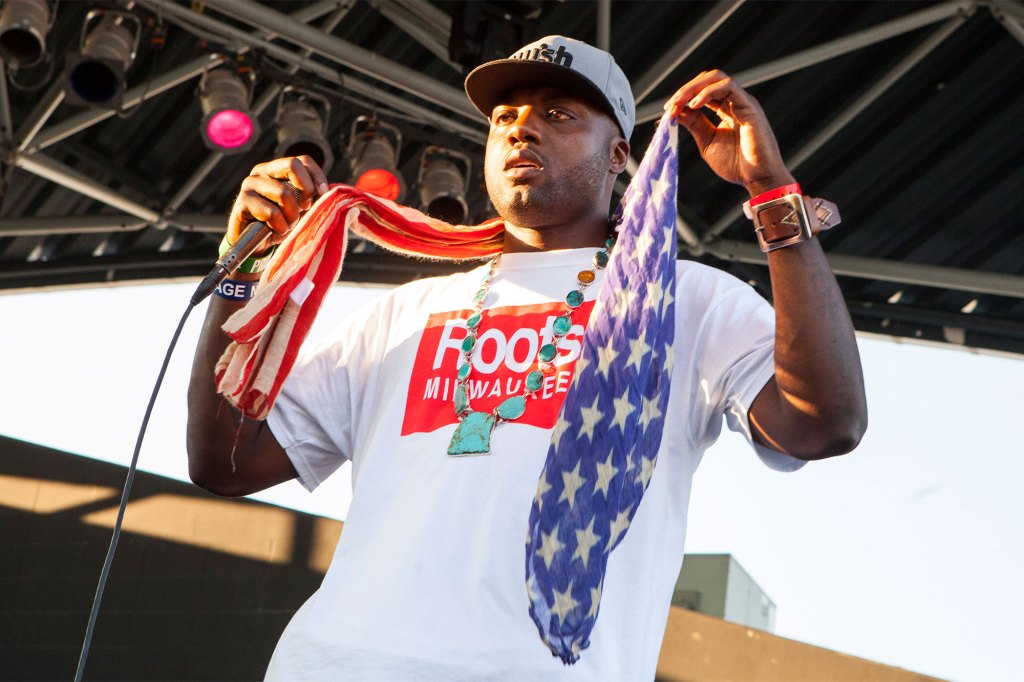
(551, 157)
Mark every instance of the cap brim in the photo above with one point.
(488, 82)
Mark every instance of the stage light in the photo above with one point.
(300, 127)
(23, 28)
(444, 180)
(373, 151)
(228, 126)
(95, 75)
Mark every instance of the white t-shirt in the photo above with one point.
(427, 582)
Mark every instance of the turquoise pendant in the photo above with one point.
(473, 435)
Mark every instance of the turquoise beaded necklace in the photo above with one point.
(473, 434)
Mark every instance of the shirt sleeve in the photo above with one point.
(312, 417)
(736, 347)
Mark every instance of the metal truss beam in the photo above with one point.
(432, 15)
(833, 48)
(958, 279)
(353, 56)
(427, 36)
(55, 171)
(1011, 16)
(47, 225)
(604, 24)
(851, 111)
(683, 48)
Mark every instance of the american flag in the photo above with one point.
(605, 443)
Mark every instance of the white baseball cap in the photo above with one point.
(559, 62)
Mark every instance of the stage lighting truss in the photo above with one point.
(444, 181)
(24, 25)
(228, 125)
(95, 75)
(301, 128)
(373, 152)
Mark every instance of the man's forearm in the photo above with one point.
(817, 405)
(227, 455)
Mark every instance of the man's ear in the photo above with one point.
(619, 155)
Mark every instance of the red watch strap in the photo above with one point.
(777, 193)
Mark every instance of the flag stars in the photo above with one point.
(667, 301)
(585, 540)
(624, 407)
(590, 417)
(643, 244)
(638, 350)
(549, 546)
(564, 604)
(646, 470)
(659, 188)
(654, 294)
(542, 488)
(561, 426)
(649, 412)
(670, 357)
(618, 527)
(572, 481)
(625, 297)
(595, 601)
(605, 473)
(605, 357)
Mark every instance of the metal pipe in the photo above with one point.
(832, 49)
(683, 48)
(91, 224)
(425, 35)
(55, 171)
(866, 99)
(184, 14)
(6, 121)
(39, 115)
(426, 11)
(1011, 23)
(878, 88)
(353, 56)
(958, 279)
(604, 24)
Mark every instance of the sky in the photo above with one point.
(906, 551)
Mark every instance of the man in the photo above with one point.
(427, 580)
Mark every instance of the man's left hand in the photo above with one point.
(741, 148)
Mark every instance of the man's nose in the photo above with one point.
(524, 128)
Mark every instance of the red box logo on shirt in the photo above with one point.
(505, 352)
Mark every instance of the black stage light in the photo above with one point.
(443, 181)
(23, 28)
(301, 129)
(95, 75)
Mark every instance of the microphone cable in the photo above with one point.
(132, 467)
(247, 243)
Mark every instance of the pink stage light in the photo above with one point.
(229, 128)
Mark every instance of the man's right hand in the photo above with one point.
(229, 455)
(276, 193)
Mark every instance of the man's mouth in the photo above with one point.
(522, 161)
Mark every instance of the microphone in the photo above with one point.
(251, 238)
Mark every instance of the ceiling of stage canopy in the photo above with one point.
(906, 114)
